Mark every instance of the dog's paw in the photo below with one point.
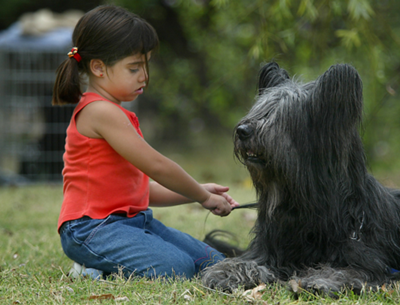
(231, 274)
(317, 288)
(329, 281)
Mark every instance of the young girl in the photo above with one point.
(105, 223)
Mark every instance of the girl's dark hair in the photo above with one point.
(108, 33)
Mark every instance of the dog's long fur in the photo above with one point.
(323, 221)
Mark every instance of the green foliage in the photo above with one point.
(204, 75)
(212, 73)
(360, 9)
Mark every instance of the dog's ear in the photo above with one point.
(338, 94)
(270, 76)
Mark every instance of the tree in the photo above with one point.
(204, 75)
(210, 52)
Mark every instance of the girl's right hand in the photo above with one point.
(218, 205)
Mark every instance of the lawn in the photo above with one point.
(33, 268)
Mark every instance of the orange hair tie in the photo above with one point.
(74, 54)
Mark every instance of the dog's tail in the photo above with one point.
(214, 239)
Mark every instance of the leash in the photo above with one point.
(246, 206)
(242, 206)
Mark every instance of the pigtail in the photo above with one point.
(67, 87)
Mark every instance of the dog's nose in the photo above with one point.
(244, 131)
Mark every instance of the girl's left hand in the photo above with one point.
(220, 190)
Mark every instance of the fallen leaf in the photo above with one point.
(384, 289)
(255, 292)
(107, 296)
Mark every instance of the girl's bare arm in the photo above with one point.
(162, 197)
(102, 119)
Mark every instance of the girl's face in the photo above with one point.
(125, 80)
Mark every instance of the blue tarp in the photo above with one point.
(12, 38)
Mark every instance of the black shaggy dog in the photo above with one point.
(323, 223)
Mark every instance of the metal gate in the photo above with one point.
(32, 131)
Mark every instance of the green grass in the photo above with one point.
(33, 268)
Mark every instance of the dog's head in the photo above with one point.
(297, 130)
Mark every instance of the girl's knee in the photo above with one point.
(184, 268)
(181, 267)
(211, 257)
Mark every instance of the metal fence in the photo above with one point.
(32, 131)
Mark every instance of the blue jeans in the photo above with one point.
(140, 245)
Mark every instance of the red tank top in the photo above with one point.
(97, 180)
